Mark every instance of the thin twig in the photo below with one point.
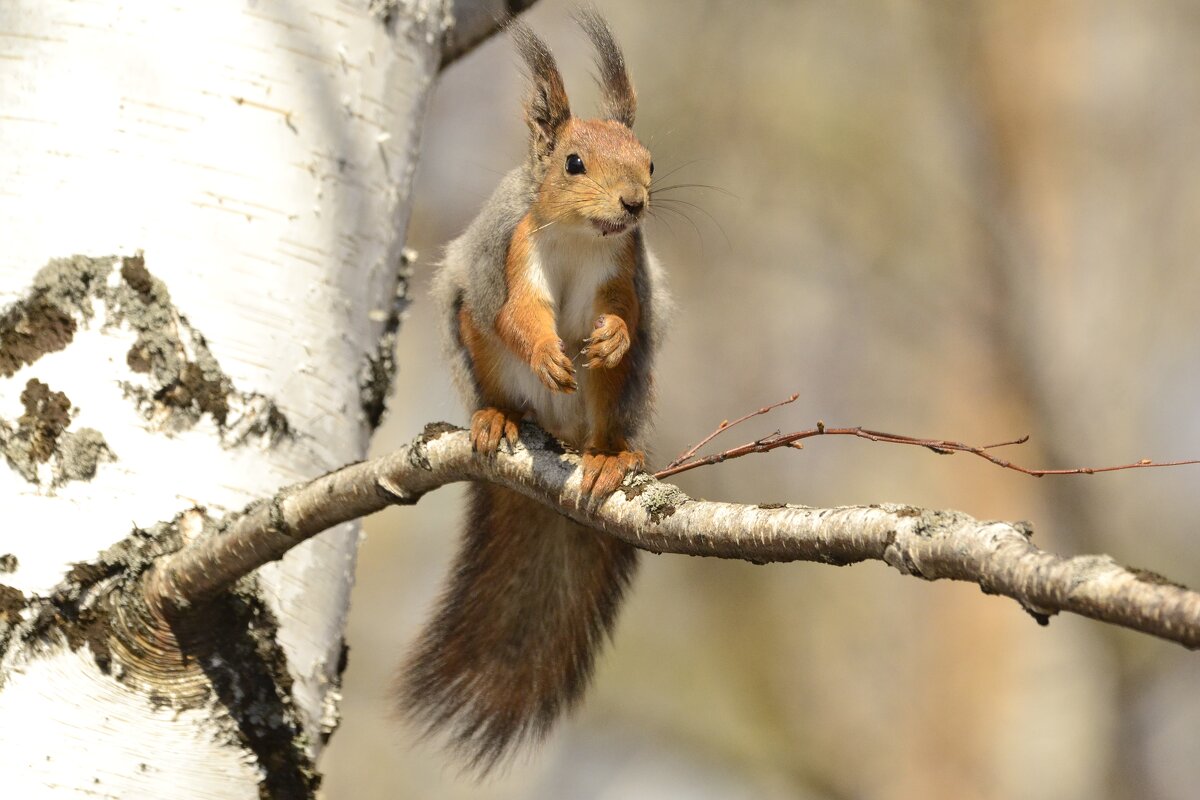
(939, 446)
(726, 425)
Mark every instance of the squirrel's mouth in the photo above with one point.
(609, 228)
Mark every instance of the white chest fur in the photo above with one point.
(568, 269)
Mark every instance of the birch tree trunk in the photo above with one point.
(202, 214)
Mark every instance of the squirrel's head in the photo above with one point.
(592, 174)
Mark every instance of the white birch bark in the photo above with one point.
(260, 155)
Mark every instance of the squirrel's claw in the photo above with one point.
(604, 472)
(490, 427)
(554, 368)
(609, 344)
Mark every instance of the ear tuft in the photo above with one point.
(546, 106)
(618, 96)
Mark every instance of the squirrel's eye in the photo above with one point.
(651, 167)
(575, 165)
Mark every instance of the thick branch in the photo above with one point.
(475, 21)
(930, 544)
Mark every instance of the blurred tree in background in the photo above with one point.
(963, 219)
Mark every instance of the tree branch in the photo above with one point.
(475, 21)
(926, 543)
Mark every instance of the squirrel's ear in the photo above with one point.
(546, 108)
(619, 98)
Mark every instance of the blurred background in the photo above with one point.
(970, 220)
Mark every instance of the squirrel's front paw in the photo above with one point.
(603, 472)
(490, 426)
(608, 344)
(552, 366)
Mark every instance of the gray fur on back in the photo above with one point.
(472, 271)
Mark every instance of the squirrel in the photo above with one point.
(554, 264)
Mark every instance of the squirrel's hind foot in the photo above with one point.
(603, 472)
(491, 426)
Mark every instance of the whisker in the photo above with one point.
(546, 225)
(689, 220)
(690, 204)
(654, 216)
(666, 201)
(663, 176)
(673, 187)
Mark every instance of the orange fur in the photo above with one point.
(496, 421)
(616, 302)
(483, 357)
(607, 458)
(526, 320)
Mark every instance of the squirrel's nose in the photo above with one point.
(634, 207)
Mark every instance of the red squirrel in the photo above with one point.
(554, 265)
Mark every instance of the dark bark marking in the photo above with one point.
(378, 370)
(29, 331)
(40, 436)
(183, 381)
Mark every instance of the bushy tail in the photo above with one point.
(511, 646)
